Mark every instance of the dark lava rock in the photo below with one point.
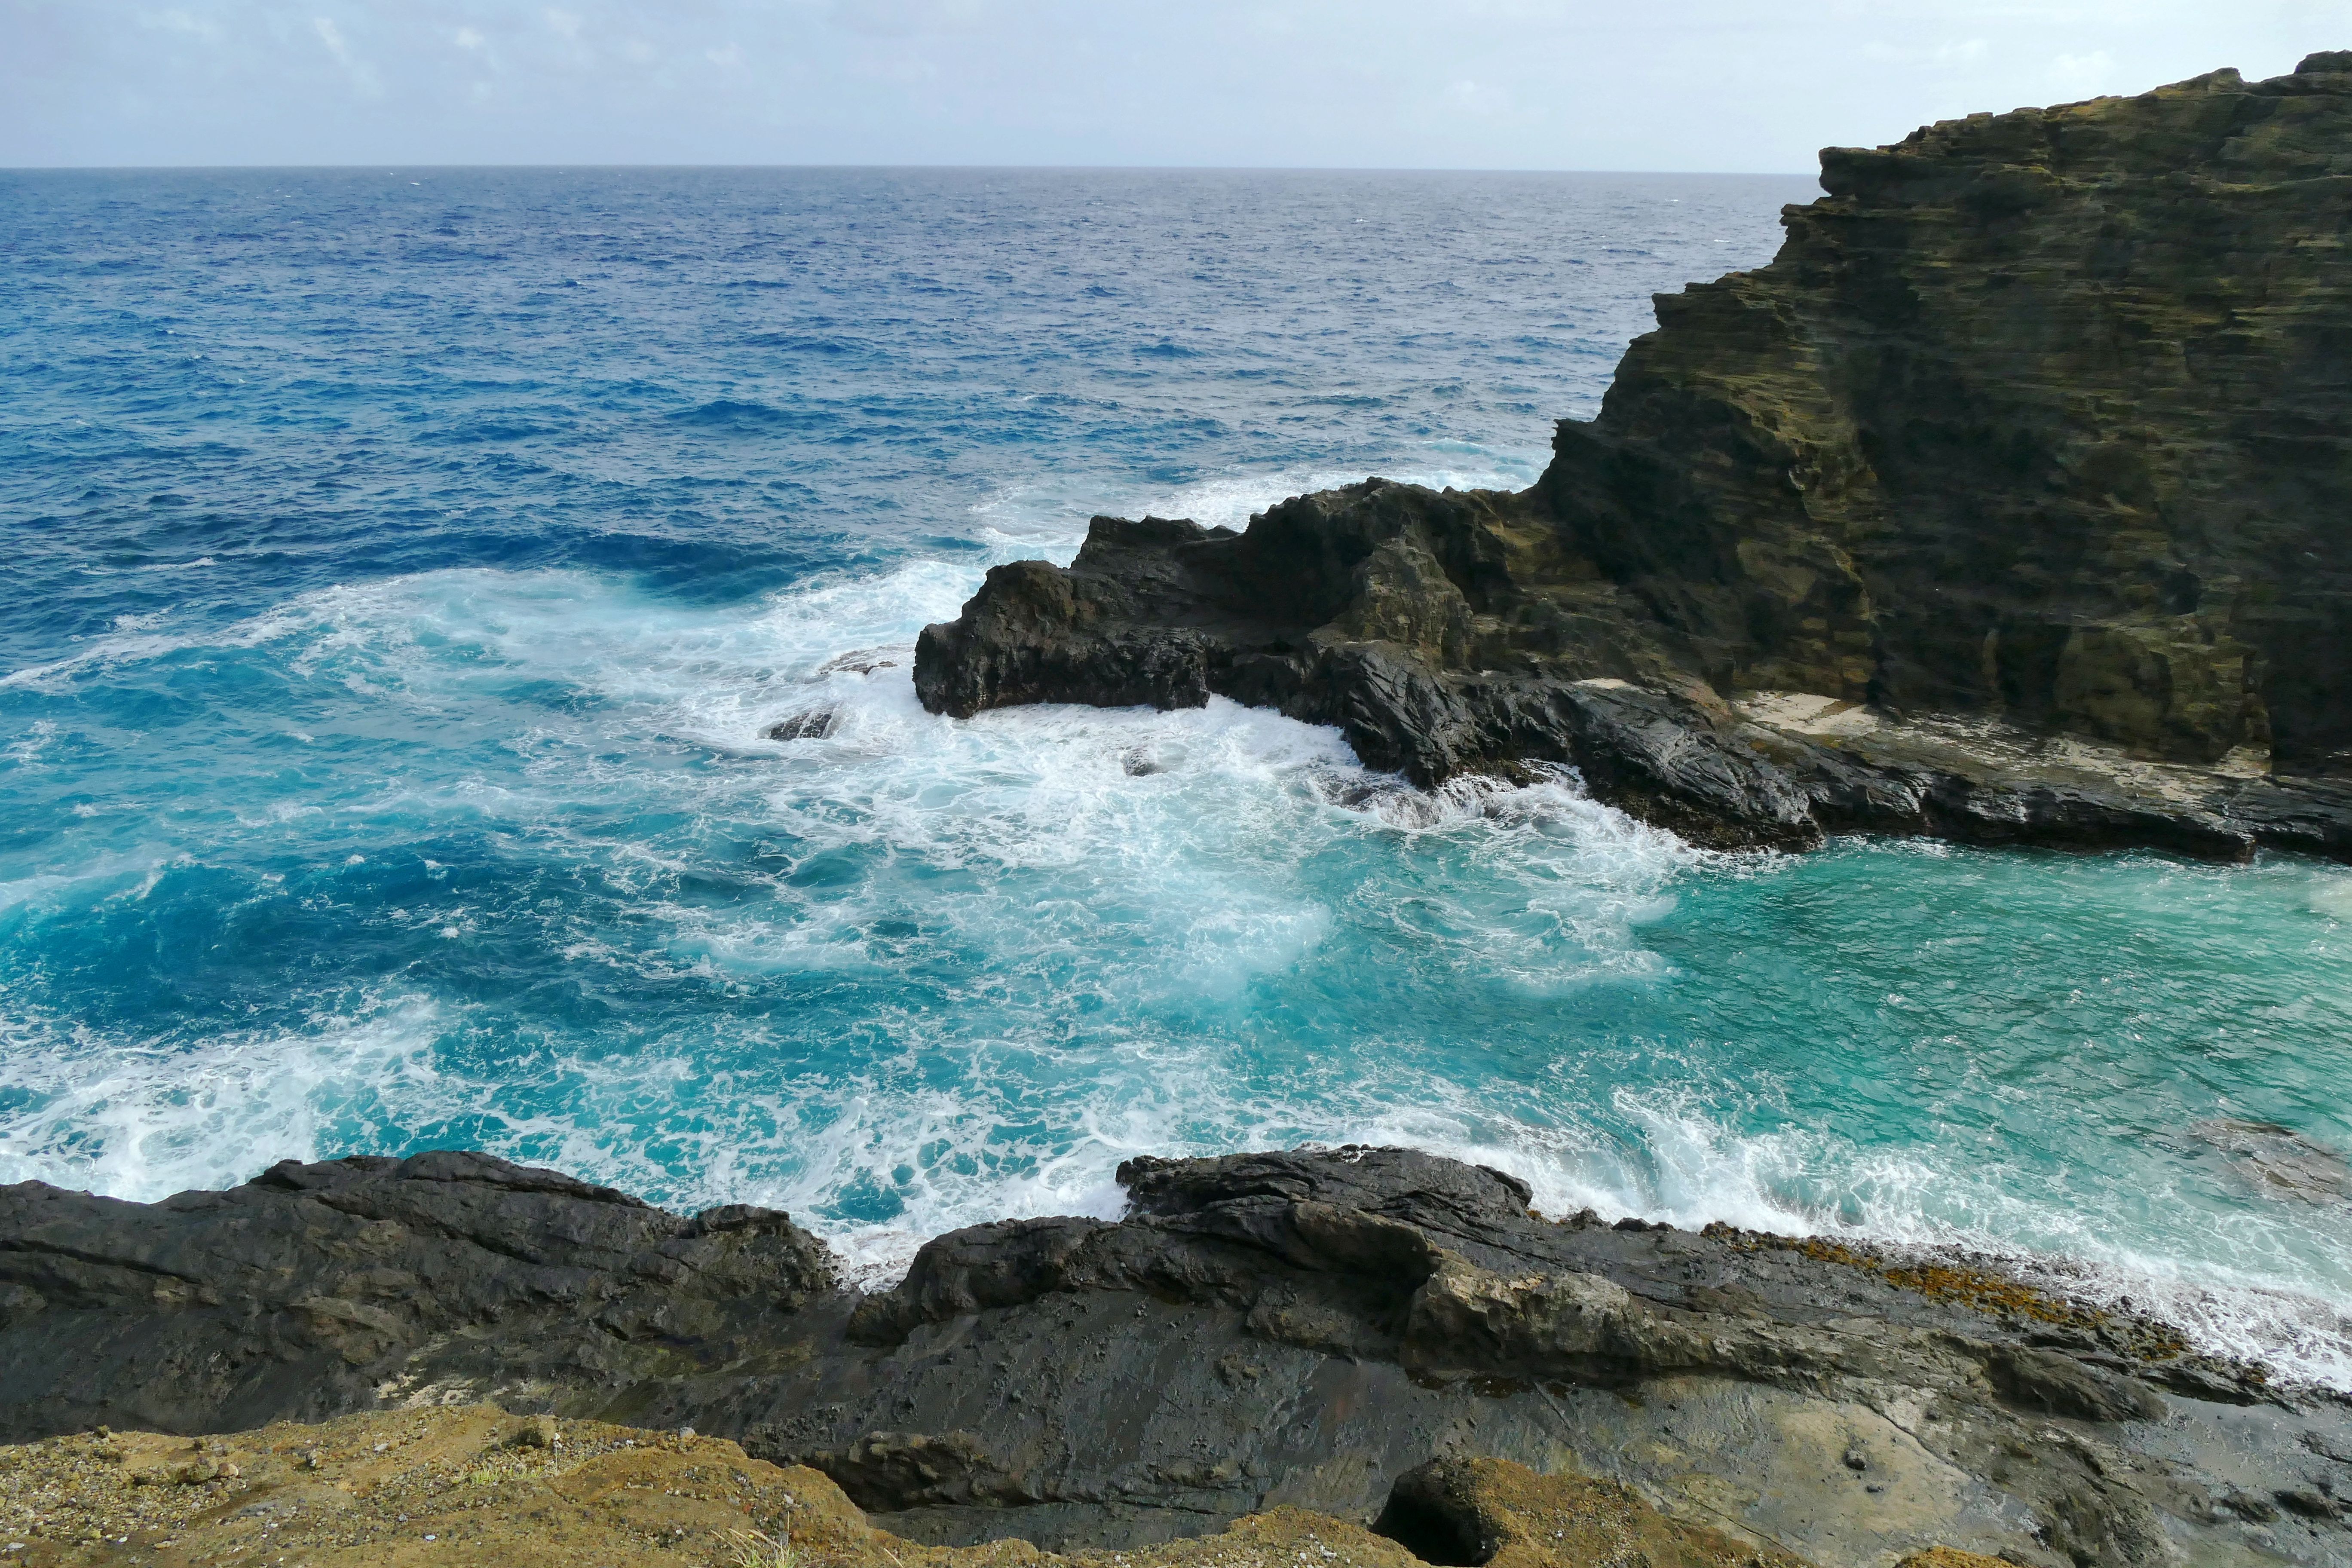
(1263, 1329)
(2035, 422)
(2046, 1380)
(814, 725)
(318, 1289)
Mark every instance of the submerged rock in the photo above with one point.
(2276, 1162)
(863, 661)
(816, 724)
(2035, 424)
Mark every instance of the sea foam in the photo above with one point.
(391, 698)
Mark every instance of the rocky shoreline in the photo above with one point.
(469, 1484)
(2004, 506)
(1298, 1329)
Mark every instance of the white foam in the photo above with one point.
(1690, 1170)
(1049, 517)
(1206, 853)
(26, 750)
(147, 643)
(1072, 888)
(146, 1118)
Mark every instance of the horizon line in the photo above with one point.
(396, 167)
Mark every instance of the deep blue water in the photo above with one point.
(401, 568)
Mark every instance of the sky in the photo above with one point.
(1686, 85)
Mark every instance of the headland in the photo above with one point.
(2004, 506)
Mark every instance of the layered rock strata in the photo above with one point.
(2037, 426)
(1298, 1329)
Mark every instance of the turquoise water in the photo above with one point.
(401, 578)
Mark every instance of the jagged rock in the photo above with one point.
(301, 1292)
(816, 724)
(1298, 1327)
(893, 1472)
(2035, 422)
(1440, 1267)
(2038, 411)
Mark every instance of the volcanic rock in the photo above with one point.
(2026, 459)
(415, 1488)
(322, 1289)
(1288, 1328)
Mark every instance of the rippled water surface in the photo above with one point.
(403, 568)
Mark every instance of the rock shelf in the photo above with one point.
(1284, 1330)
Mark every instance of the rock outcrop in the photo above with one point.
(1305, 1328)
(2036, 427)
(470, 1486)
(317, 1290)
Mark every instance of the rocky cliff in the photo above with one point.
(1306, 1329)
(2039, 425)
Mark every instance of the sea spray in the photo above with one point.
(389, 756)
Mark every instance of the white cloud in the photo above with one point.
(909, 18)
(178, 21)
(1669, 84)
(1963, 52)
(363, 77)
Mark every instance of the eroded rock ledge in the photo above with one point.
(2035, 428)
(1267, 1330)
(472, 1487)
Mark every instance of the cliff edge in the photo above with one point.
(2008, 503)
(1302, 1329)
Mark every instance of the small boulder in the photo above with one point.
(814, 725)
(535, 1431)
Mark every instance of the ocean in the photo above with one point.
(403, 568)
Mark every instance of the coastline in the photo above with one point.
(1298, 1329)
(1376, 1334)
(1999, 506)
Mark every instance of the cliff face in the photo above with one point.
(2037, 424)
(2043, 412)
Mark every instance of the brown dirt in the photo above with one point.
(475, 1488)
(1578, 1521)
